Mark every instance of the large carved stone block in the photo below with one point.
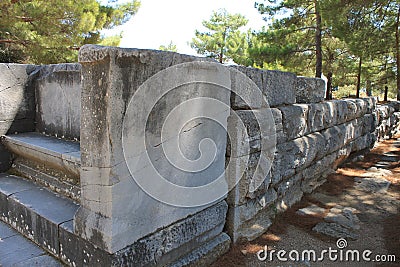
(310, 90)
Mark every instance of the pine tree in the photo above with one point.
(36, 31)
(223, 39)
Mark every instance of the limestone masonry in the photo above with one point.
(64, 128)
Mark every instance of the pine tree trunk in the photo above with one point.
(368, 87)
(318, 41)
(385, 97)
(359, 78)
(398, 54)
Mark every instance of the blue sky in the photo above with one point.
(159, 22)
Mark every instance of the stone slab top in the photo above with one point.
(41, 201)
(91, 53)
(48, 145)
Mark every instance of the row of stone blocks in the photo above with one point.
(388, 116)
(312, 139)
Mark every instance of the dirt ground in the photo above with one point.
(361, 187)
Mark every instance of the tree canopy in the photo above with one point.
(353, 42)
(36, 31)
(170, 47)
(223, 40)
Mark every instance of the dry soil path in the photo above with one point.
(360, 203)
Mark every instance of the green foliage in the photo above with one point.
(170, 47)
(291, 39)
(113, 40)
(223, 40)
(36, 31)
(345, 91)
(351, 30)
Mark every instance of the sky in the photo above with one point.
(158, 22)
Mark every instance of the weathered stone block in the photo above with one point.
(341, 110)
(171, 243)
(362, 107)
(115, 210)
(252, 228)
(294, 119)
(163, 247)
(244, 88)
(293, 156)
(279, 87)
(17, 98)
(238, 215)
(315, 175)
(330, 114)
(251, 184)
(366, 141)
(280, 134)
(371, 103)
(286, 186)
(251, 131)
(291, 196)
(334, 138)
(368, 124)
(318, 117)
(394, 104)
(310, 90)
(207, 253)
(352, 110)
(58, 97)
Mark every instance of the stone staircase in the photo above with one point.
(87, 211)
(39, 195)
(49, 161)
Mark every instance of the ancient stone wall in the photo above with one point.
(313, 137)
(58, 100)
(388, 120)
(291, 140)
(17, 103)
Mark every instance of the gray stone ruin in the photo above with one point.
(149, 158)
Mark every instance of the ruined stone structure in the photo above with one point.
(65, 129)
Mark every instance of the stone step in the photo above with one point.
(46, 218)
(16, 250)
(39, 214)
(47, 160)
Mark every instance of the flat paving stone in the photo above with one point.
(312, 210)
(10, 184)
(373, 185)
(335, 230)
(16, 250)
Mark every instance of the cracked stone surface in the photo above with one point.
(335, 230)
(344, 217)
